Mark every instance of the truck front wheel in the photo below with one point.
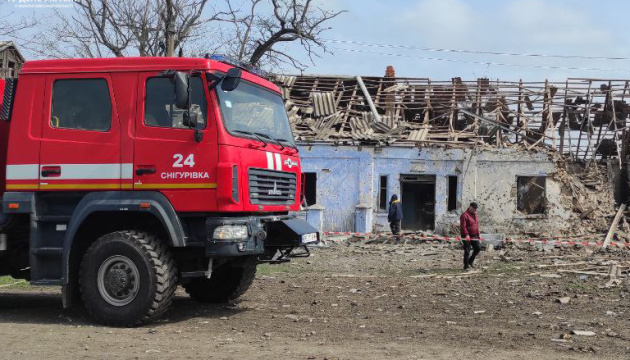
(127, 278)
(226, 283)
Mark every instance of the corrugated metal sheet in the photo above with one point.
(381, 127)
(324, 103)
(285, 80)
(418, 135)
(360, 128)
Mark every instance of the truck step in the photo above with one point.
(192, 274)
(53, 218)
(47, 251)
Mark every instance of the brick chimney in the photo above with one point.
(390, 72)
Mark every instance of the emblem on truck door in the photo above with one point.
(275, 191)
(290, 163)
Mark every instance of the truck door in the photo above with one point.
(80, 148)
(167, 157)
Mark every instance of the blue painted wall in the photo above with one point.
(338, 176)
(348, 176)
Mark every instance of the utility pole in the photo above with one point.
(170, 29)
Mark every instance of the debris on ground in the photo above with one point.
(352, 296)
(563, 300)
(583, 333)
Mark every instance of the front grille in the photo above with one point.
(268, 187)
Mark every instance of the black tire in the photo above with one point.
(226, 284)
(138, 278)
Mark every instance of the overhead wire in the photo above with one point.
(487, 63)
(467, 51)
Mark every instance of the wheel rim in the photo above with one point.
(118, 280)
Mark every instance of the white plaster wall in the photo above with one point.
(349, 176)
(491, 182)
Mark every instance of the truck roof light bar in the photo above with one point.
(238, 63)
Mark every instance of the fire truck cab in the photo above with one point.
(125, 177)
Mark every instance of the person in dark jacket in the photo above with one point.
(469, 224)
(395, 214)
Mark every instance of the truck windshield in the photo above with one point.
(250, 109)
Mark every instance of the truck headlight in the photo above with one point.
(230, 232)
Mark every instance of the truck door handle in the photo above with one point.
(51, 171)
(145, 170)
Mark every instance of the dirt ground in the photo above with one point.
(356, 301)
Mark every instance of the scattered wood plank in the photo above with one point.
(561, 265)
(614, 275)
(583, 272)
(583, 333)
(613, 227)
(440, 276)
(587, 213)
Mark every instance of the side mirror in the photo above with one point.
(231, 79)
(194, 116)
(181, 90)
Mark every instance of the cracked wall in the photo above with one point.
(348, 176)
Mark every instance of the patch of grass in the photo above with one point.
(4, 280)
(412, 272)
(269, 269)
(9, 282)
(581, 287)
(504, 268)
(577, 286)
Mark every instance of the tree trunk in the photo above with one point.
(170, 29)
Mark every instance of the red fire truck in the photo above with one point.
(126, 177)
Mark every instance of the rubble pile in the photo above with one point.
(593, 200)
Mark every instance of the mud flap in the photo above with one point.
(66, 297)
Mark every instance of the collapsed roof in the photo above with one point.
(582, 118)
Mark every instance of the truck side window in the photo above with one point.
(82, 104)
(160, 109)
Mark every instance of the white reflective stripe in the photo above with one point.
(87, 171)
(278, 162)
(269, 160)
(23, 172)
(126, 171)
(72, 171)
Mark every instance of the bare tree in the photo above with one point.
(255, 31)
(257, 35)
(10, 26)
(101, 28)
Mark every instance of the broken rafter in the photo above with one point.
(493, 122)
(368, 98)
(613, 227)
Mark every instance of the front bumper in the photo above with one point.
(264, 234)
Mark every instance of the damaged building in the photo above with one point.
(538, 157)
(11, 60)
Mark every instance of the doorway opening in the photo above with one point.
(418, 201)
(310, 188)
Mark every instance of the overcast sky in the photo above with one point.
(377, 33)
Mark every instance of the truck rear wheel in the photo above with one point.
(127, 278)
(227, 283)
